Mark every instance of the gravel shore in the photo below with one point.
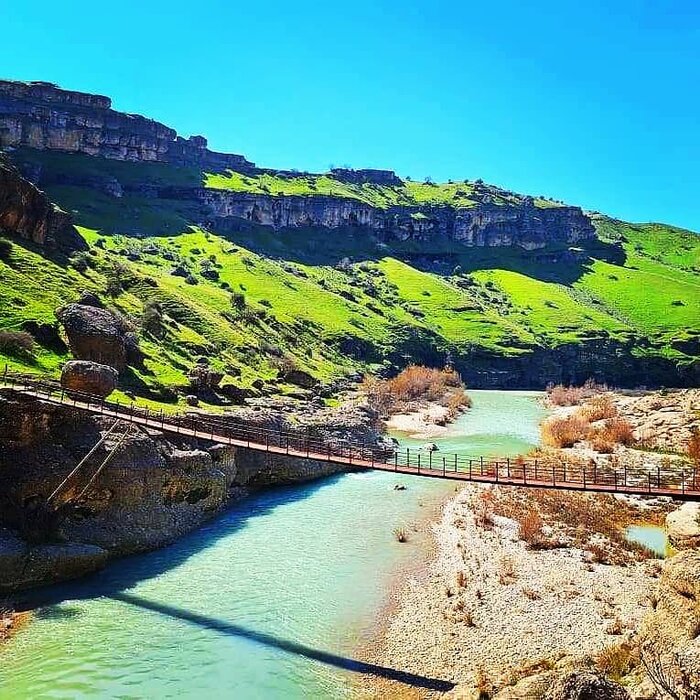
(488, 605)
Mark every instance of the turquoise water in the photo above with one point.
(651, 536)
(271, 600)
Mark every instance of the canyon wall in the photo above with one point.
(524, 225)
(155, 489)
(27, 213)
(43, 116)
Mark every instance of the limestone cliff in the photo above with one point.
(482, 225)
(26, 212)
(43, 116)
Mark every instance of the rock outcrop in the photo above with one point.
(96, 334)
(155, 488)
(89, 378)
(484, 225)
(585, 685)
(670, 639)
(27, 213)
(683, 525)
(43, 116)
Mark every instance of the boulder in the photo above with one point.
(585, 685)
(299, 378)
(89, 378)
(95, 334)
(25, 566)
(683, 525)
(201, 377)
(90, 299)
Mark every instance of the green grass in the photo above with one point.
(408, 193)
(301, 305)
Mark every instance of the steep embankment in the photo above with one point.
(268, 272)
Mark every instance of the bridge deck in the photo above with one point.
(512, 472)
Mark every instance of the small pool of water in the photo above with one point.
(653, 537)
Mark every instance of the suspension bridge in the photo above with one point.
(678, 483)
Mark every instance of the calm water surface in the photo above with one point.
(243, 607)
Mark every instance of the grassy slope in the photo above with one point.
(299, 305)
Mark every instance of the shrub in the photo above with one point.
(616, 430)
(16, 343)
(616, 660)
(560, 395)
(506, 569)
(693, 447)
(530, 528)
(81, 262)
(564, 432)
(152, 321)
(5, 249)
(483, 509)
(413, 383)
(238, 301)
(598, 408)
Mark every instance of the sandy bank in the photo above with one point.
(424, 422)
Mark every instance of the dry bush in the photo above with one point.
(532, 594)
(530, 529)
(693, 447)
(506, 569)
(560, 395)
(456, 402)
(16, 343)
(413, 383)
(615, 431)
(483, 509)
(564, 432)
(599, 408)
(617, 660)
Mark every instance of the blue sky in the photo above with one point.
(593, 104)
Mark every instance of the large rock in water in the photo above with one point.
(95, 334)
(585, 685)
(89, 377)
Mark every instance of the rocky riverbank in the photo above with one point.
(156, 487)
(493, 608)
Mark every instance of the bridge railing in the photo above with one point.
(507, 470)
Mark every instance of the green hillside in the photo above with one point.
(333, 302)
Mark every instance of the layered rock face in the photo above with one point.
(26, 212)
(43, 116)
(482, 225)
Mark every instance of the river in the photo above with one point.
(270, 600)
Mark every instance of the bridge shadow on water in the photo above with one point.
(119, 577)
(269, 640)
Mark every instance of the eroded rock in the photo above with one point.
(89, 378)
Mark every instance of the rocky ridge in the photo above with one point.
(43, 116)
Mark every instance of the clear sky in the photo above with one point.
(596, 102)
